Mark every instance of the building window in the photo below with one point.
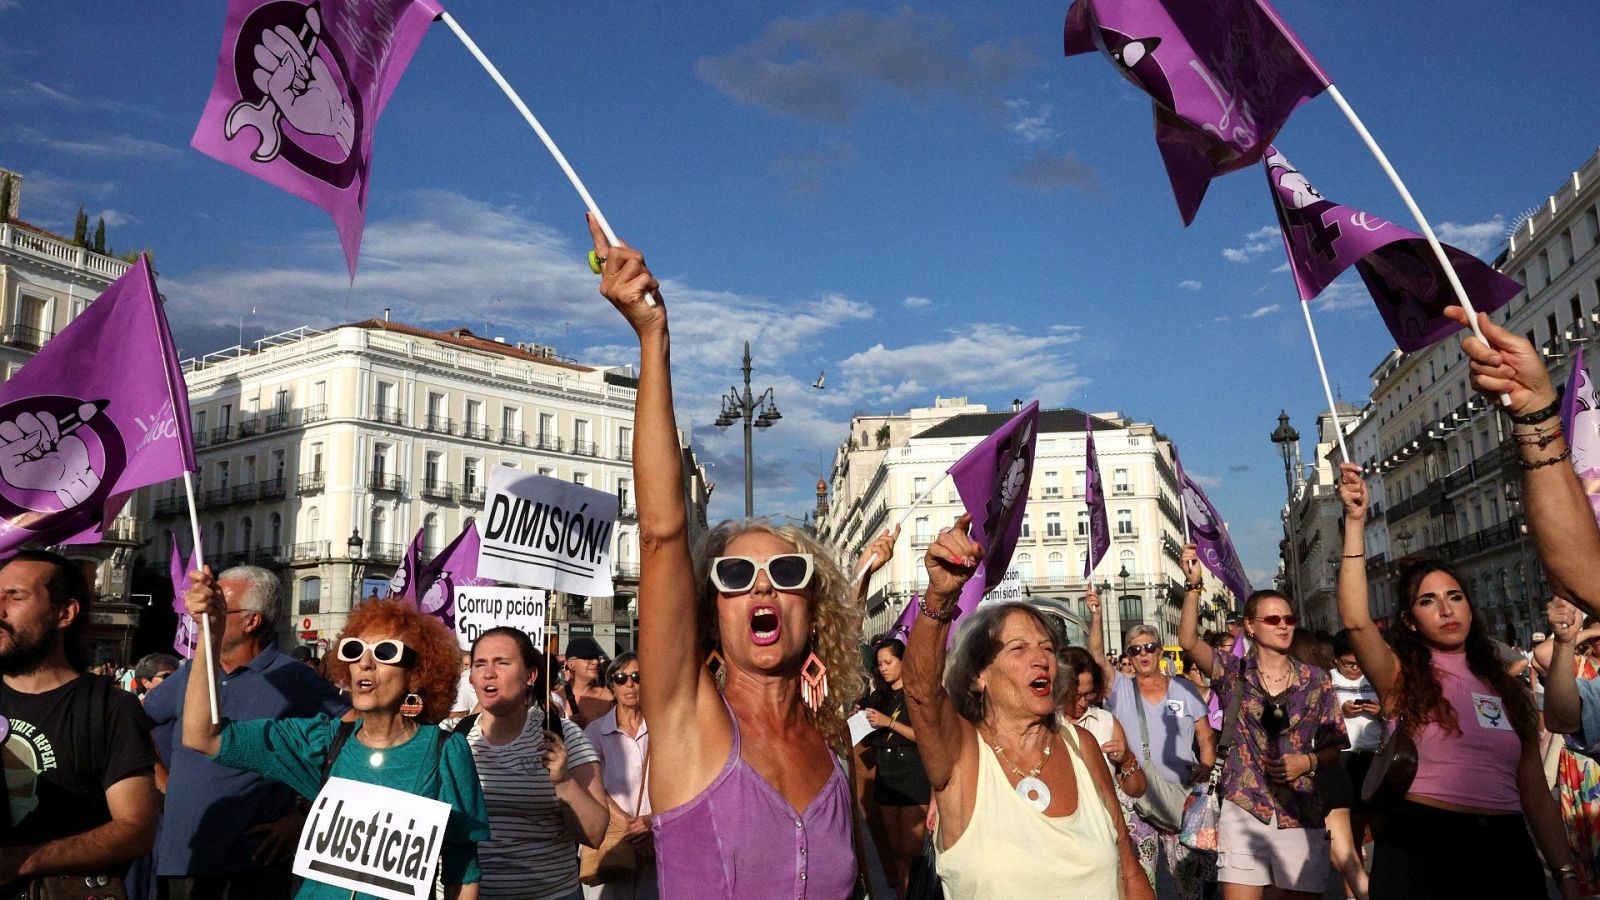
(1056, 564)
(316, 459)
(1120, 482)
(1083, 523)
(547, 430)
(919, 486)
(199, 422)
(471, 469)
(1052, 484)
(376, 529)
(1027, 526)
(433, 470)
(313, 524)
(1023, 563)
(274, 533)
(430, 535)
(310, 596)
(624, 492)
(380, 462)
(1077, 483)
(222, 477)
(1124, 521)
(1052, 524)
(246, 533)
(924, 530)
(1131, 609)
(1126, 560)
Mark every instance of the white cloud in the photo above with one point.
(1007, 357)
(1031, 121)
(1209, 482)
(1189, 284)
(114, 218)
(1281, 267)
(1255, 243)
(114, 145)
(915, 302)
(1476, 238)
(1267, 310)
(1344, 294)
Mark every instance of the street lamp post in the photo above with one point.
(1123, 576)
(1287, 439)
(358, 566)
(1105, 615)
(737, 405)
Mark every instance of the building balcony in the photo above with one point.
(438, 490)
(382, 481)
(221, 433)
(314, 413)
(472, 495)
(439, 424)
(267, 557)
(1122, 490)
(1492, 538)
(310, 551)
(388, 415)
(385, 553)
(125, 528)
(26, 338)
(278, 421)
(81, 259)
(625, 454)
(1125, 534)
(626, 572)
(214, 498)
(170, 506)
(272, 489)
(513, 437)
(250, 426)
(244, 493)
(921, 538)
(309, 482)
(547, 441)
(585, 448)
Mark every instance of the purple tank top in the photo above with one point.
(741, 839)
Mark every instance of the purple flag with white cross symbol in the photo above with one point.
(992, 479)
(1580, 422)
(187, 636)
(298, 92)
(430, 586)
(101, 411)
(1094, 495)
(1224, 75)
(1210, 535)
(1323, 239)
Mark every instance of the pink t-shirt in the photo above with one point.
(1477, 767)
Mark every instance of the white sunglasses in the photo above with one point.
(737, 574)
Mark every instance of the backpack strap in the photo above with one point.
(340, 738)
(465, 724)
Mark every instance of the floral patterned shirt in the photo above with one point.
(1313, 723)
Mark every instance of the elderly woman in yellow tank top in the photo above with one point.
(1024, 810)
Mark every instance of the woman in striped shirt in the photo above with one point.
(543, 791)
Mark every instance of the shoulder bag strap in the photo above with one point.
(1144, 728)
(644, 778)
(340, 738)
(1230, 727)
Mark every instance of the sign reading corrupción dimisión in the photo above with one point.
(546, 533)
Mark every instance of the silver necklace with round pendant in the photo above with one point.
(1031, 788)
(376, 759)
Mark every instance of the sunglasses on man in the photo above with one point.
(737, 574)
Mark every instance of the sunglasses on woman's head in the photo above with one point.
(737, 574)
(389, 651)
(1141, 649)
(621, 678)
(1275, 621)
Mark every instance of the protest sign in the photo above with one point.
(372, 840)
(1007, 591)
(479, 609)
(546, 533)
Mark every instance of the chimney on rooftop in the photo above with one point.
(386, 313)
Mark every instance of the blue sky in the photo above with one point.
(921, 199)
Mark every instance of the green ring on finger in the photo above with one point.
(596, 261)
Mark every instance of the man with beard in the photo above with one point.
(228, 834)
(76, 750)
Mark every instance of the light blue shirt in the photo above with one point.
(1170, 723)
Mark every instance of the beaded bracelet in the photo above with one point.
(1541, 463)
(945, 616)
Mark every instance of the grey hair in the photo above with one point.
(978, 643)
(1136, 630)
(263, 596)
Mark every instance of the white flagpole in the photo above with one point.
(1338, 427)
(207, 649)
(549, 144)
(1416, 213)
(873, 557)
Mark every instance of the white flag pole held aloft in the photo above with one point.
(873, 557)
(550, 144)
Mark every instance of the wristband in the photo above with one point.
(1196, 587)
(1547, 461)
(1539, 415)
(942, 616)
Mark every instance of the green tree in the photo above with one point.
(80, 228)
(100, 236)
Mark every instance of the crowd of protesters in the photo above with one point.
(717, 761)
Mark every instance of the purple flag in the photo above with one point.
(993, 479)
(101, 411)
(403, 583)
(187, 636)
(1323, 239)
(1580, 422)
(902, 625)
(1210, 535)
(1224, 75)
(1094, 495)
(298, 93)
(455, 566)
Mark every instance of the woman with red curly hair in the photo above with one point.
(400, 668)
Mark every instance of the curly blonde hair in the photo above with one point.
(835, 618)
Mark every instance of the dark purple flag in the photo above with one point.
(101, 411)
(1210, 536)
(1224, 74)
(993, 479)
(1580, 422)
(403, 583)
(1323, 239)
(187, 636)
(298, 92)
(902, 626)
(1094, 495)
(455, 566)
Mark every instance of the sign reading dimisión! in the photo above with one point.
(546, 533)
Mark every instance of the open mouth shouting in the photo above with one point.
(365, 686)
(1040, 686)
(764, 625)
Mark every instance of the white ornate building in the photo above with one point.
(322, 453)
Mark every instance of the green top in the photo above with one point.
(293, 750)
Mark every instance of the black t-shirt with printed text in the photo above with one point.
(55, 787)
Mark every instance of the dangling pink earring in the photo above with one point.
(715, 663)
(813, 682)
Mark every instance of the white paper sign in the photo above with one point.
(859, 727)
(372, 840)
(479, 609)
(1009, 588)
(547, 533)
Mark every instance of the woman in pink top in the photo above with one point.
(747, 793)
(1463, 828)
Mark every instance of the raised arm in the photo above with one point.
(878, 554)
(1563, 709)
(203, 598)
(1189, 619)
(1097, 637)
(944, 735)
(1557, 510)
(670, 661)
(1372, 651)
